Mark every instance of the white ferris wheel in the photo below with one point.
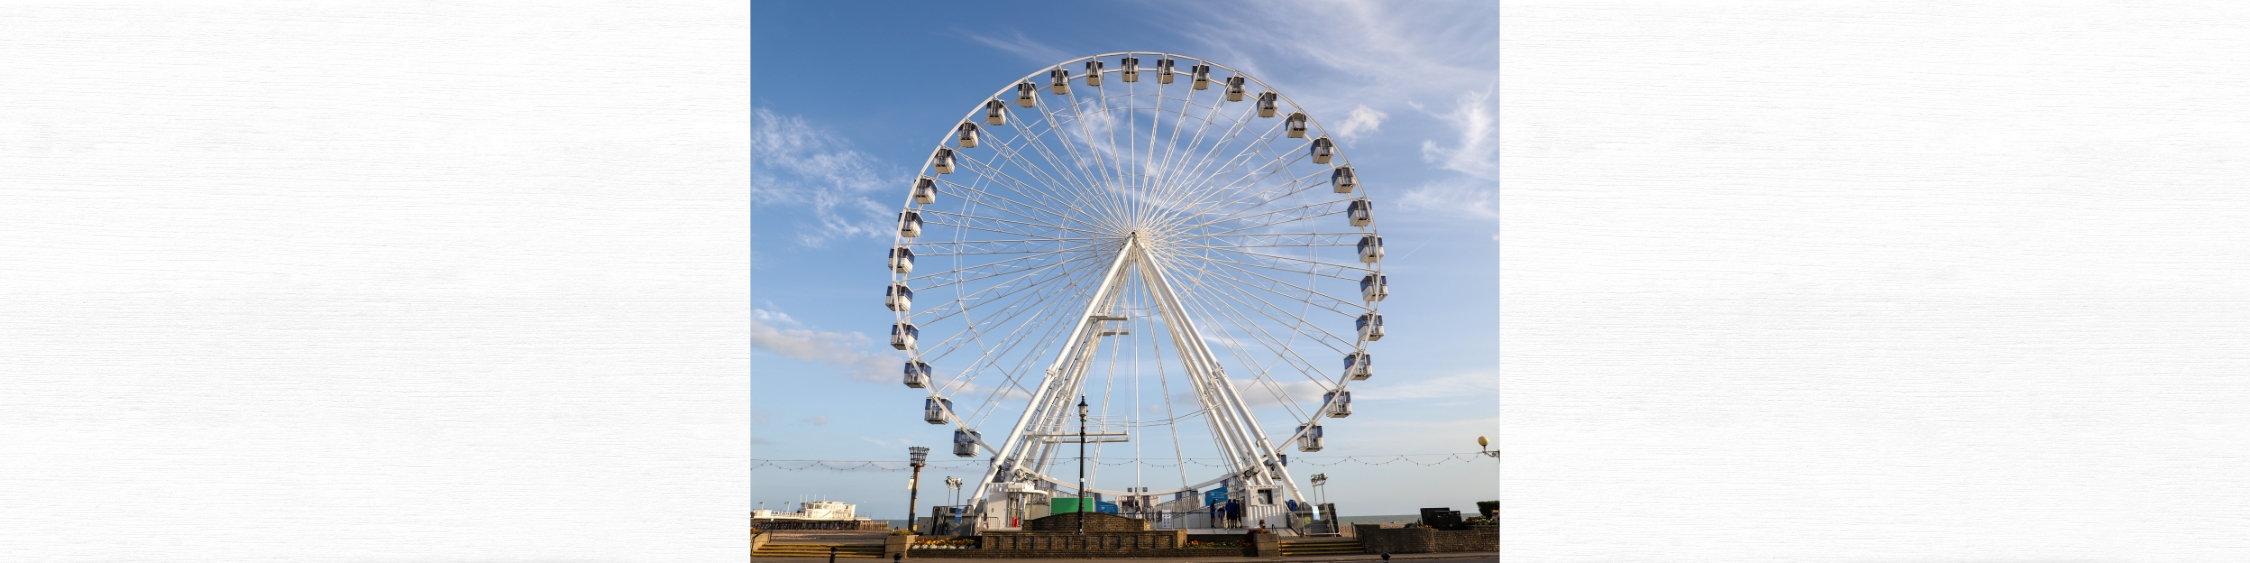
(1178, 245)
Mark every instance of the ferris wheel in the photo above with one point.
(1177, 246)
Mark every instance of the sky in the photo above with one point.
(848, 98)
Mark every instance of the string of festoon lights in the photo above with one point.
(880, 465)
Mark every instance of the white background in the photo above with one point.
(1875, 282)
(374, 282)
(1883, 281)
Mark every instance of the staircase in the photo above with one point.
(843, 550)
(1317, 546)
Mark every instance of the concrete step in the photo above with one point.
(839, 554)
(1321, 546)
(844, 550)
(1337, 551)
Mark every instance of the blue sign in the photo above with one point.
(1105, 507)
(1214, 497)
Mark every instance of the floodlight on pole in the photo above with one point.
(918, 455)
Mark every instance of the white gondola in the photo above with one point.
(1310, 440)
(1234, 88)
(902, 260)
(1059, 80)
(899, 298)
(902, 335)
(1297, 122)
(1026, 94)
(1370, 249)
(1202, 76)
(1094, 73)
(917, 374)
(1343, 179)
(1129, 69)
(943, 160)
(1361, 212)
(1164, 71)
(1269, 104)
(1370, 326)
(925, 190)
(1322, 150)
(995, 113)
(1359, 366)
(965, 442)
(1374, 287)
(910, 224)
(934, 408)
(968, 135)
(1339, 403)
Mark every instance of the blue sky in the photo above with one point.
(849, 98)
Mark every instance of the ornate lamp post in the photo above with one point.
(1081, 465)
(913, 484)
(1481, 443)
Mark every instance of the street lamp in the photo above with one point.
(913, 484)
(1081, 465)
(954, 483)
(1481, 443)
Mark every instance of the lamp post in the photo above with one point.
(955, 484)
(1481, 443)
(1081, 465)
(913, 484)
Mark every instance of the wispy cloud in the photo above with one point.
(1362, 120)
(773, 317)
(1260, 394)
(1474, 153)
(821, 420)
(899, 443)
(841, 349)
(754, 440)
(1381, 59)
(758, 416)
(795, 164)
(1458, 198)
(1021, 46)
(1388, 50)
(1467, 385)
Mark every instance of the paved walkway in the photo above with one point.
(1414, 557)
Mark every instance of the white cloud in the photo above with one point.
(817, 420)
(793, 164)
(1367, 51)
(1363, 119)
(1021, 46)
(899, 443)
(774, 317)
(758, 415)
(838, 348)
(1460, 198)
(757, 440)
(1474, 154)
(1258, 394)
(1469, 385)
